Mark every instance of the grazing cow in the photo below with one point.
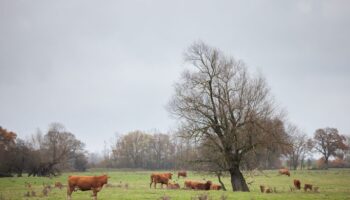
(160, 178)
(58, 185)
(297, 184)
(284, 172)
(198, 185)
(215, 187)
(84, 183)
(307, 187)
(181, 173)
(173, 186)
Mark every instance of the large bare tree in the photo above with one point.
(219, 104)
(327, 141)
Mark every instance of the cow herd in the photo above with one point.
(96, 183)
(164, 179)
(296, 183)
(307, 186)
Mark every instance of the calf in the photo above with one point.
(307, 187)
(268, 190)
(215, 187)
(284, 172)
(160, 178)
(173, 186)
(84, 183)
(297, 184)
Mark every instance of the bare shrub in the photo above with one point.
(292, 189)
(27, 185)
(223, 197)
(58, 185)
(109, 185)
(26, 194)
(203, 196)
(46, 191)
(165, 197)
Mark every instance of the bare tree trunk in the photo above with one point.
(302, 164)
(295, 164)
(326, 162)
(238, 181)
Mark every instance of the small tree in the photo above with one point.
(298, 147)
(80, 162)
(7, 152)
(327, 141)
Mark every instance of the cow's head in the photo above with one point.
(105, 178)
(208, 184)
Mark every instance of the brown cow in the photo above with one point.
(284, 172)
(162, 178)
(307, 187)
(297, 184)
(215, 187)
(84, 183)
(173, 186)
(181, 173)
(198, 185)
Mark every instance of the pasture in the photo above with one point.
(131, 185)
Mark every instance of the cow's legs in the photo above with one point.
(150, 185)
(69, 192)
(95, 190)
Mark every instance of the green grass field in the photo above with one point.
(333, 184)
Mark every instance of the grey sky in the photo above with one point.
(101, 67)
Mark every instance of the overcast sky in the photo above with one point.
(101, 67)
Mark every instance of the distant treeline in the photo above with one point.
(144, 150)
(59, 150)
